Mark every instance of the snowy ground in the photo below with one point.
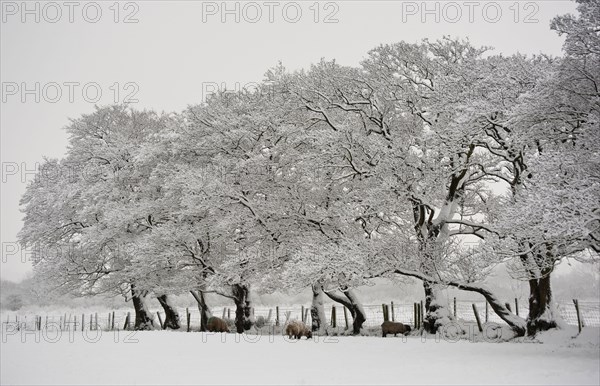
(163, 357)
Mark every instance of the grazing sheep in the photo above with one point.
(296, 329)
(216, 325)
(260, 321)
(394, 328)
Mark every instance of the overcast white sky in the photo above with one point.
(176, 47)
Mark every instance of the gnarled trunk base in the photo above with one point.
(171, 314)
(351, 302)
(143, 316)
(317, 311)
(205, 312)
(437, 310)
(543, 314)
(243, 307)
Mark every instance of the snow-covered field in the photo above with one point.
(162, 357)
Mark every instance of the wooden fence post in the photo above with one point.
(333, 317)
(487, 306)
(95, 321)
(277, 315)
(224, 311)
(579, 321)
(477, 318)
(113, 321)
(302, 314)
(269, 316)
(422, 314)
(517, 306)
(306, 315)
(160, 321)
(455, 307)
(346, 316)
(385, 315)
(393, 316)
(229, 313)
(419, 316)
(126, 326)
(415, 316)
(187, 311)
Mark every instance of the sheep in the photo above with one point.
(394, 328)
(216, 325)
(260, 321)
(296, 329)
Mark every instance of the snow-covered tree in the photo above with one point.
(553, 210)
(83, 214)
(399, 141)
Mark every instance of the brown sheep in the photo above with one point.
(297, 330)
(394, 328)
(216, 325)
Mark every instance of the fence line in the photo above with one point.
(401, 312)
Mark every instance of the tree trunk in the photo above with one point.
(243, 307)
(317, 311)
(143, 317)
(539, 265)
(171, 314)
(543, 314)
(351, 302)
(357, 311)
(205, 313)
(437, 312)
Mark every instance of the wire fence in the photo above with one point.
(589, 312)
(404, 312)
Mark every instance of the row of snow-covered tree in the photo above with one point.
(436, 160)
